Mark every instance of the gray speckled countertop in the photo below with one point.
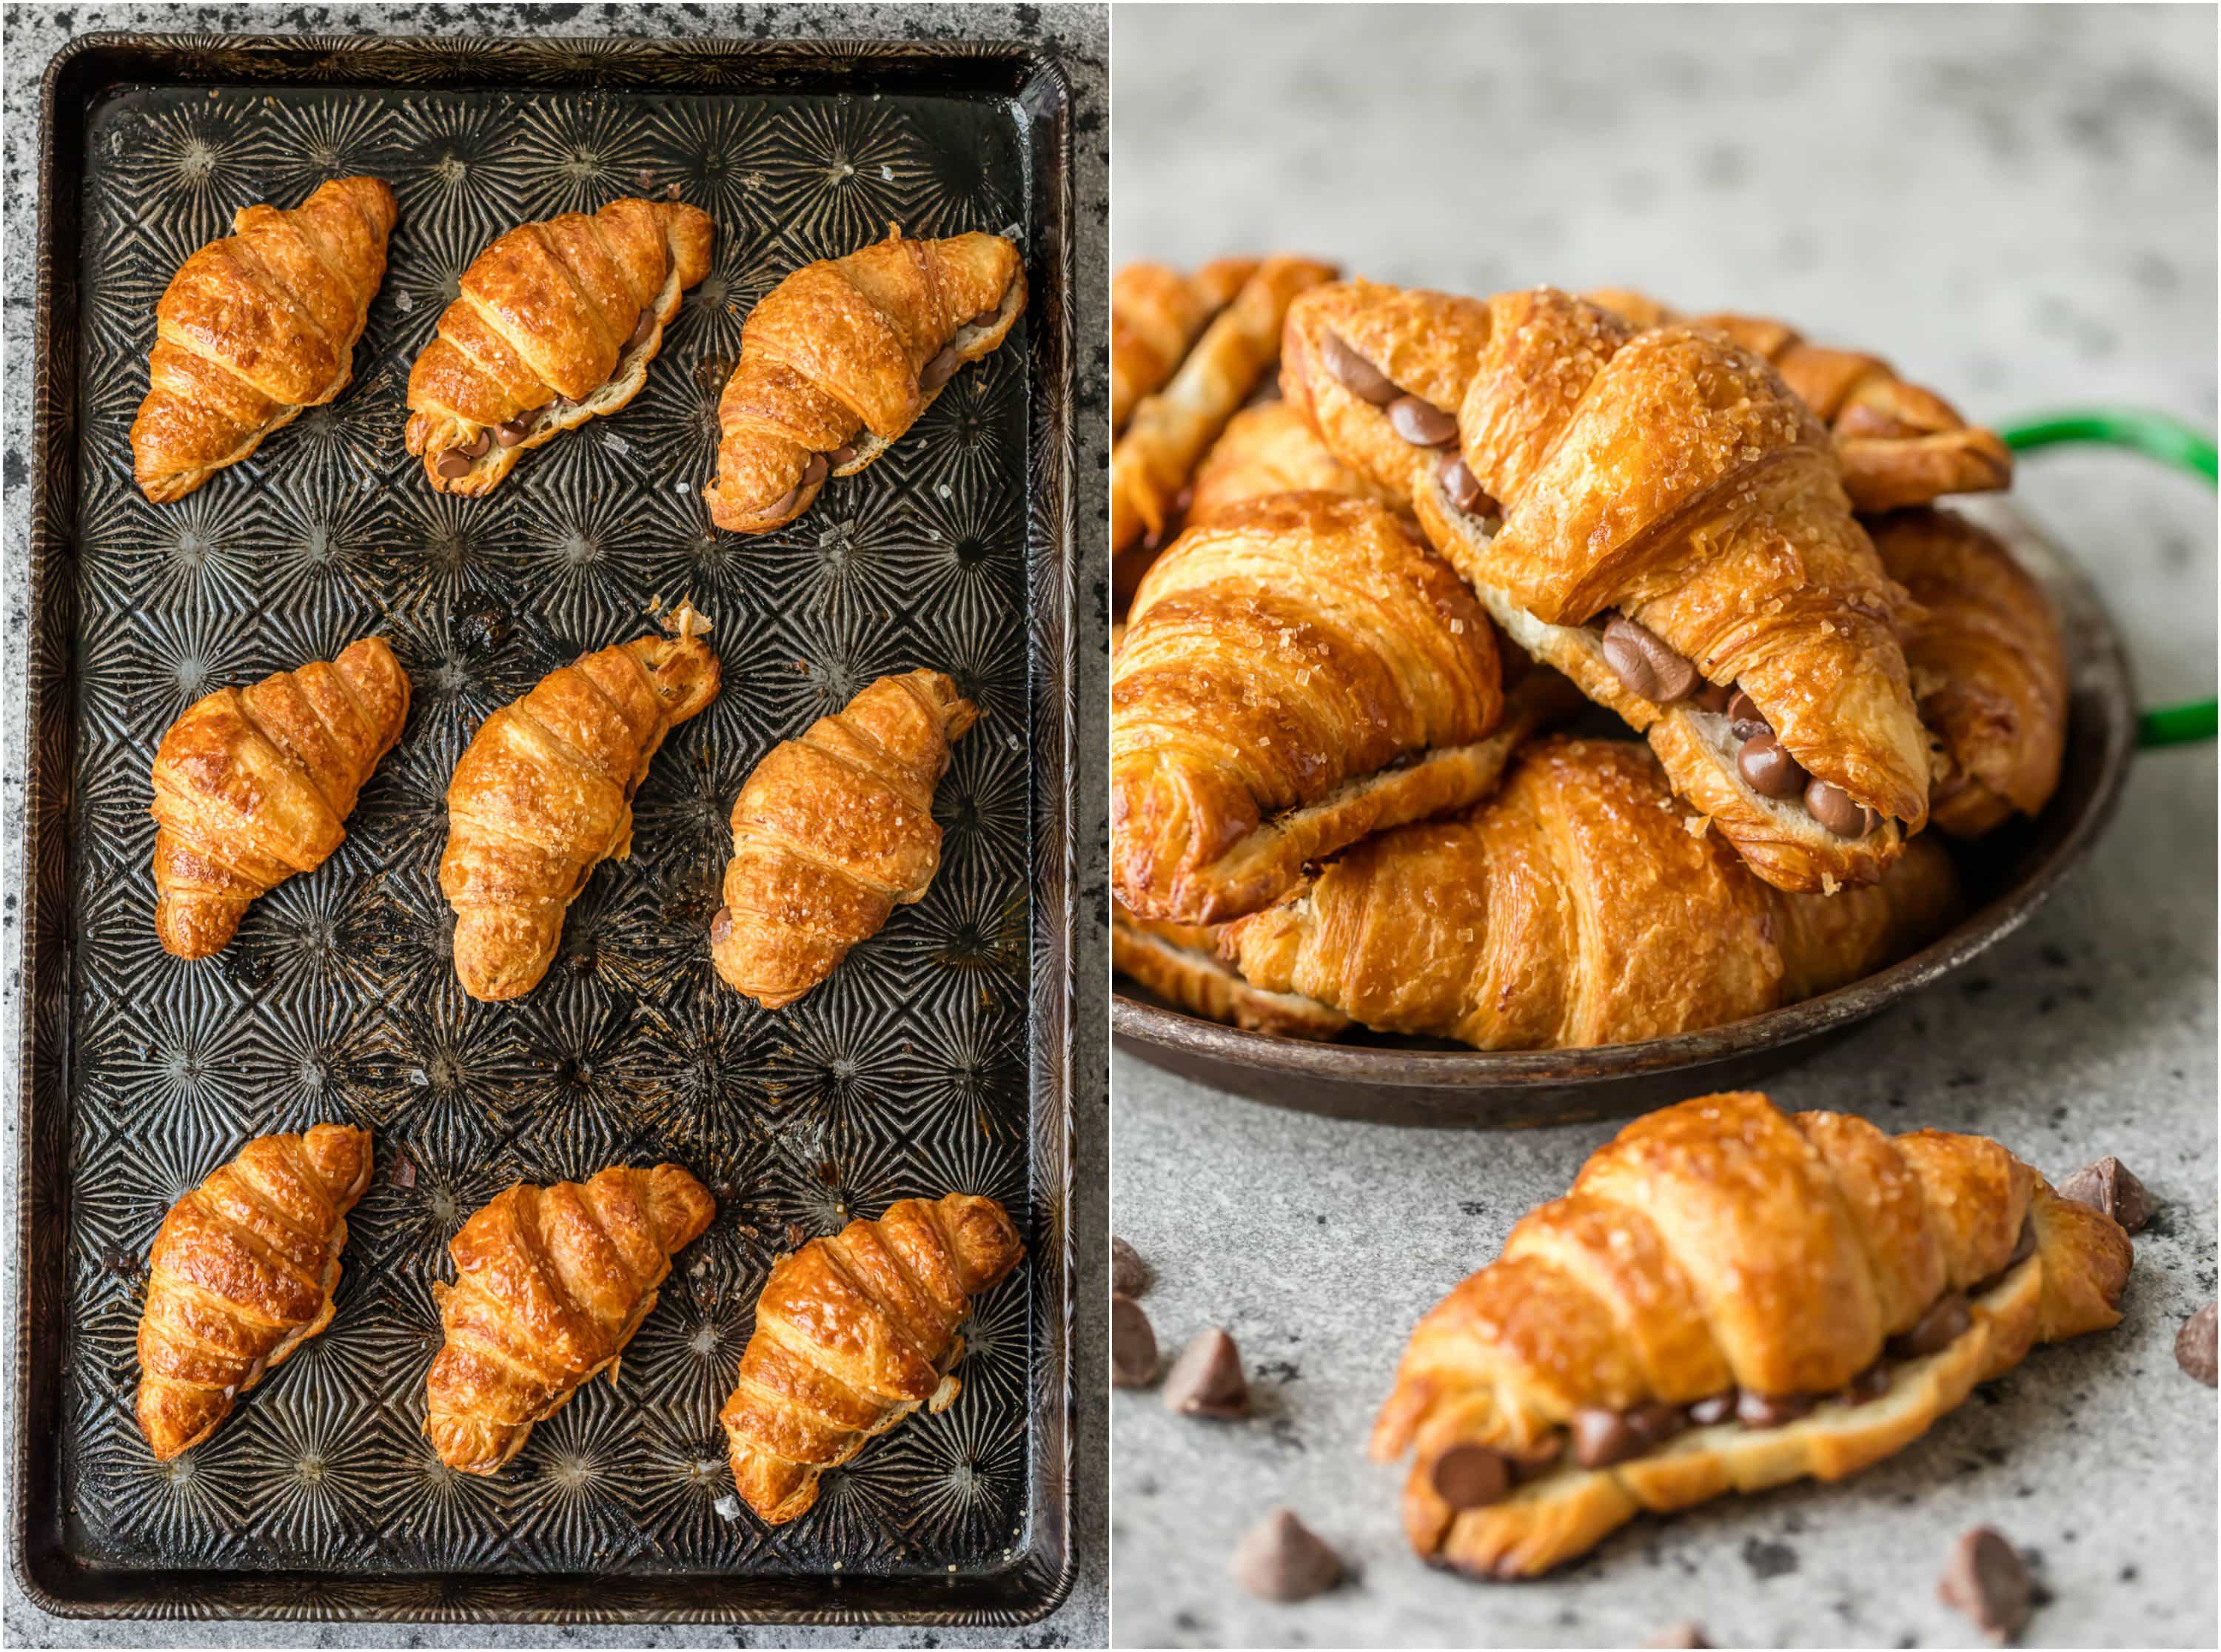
(1080, 36)
(2018, 206)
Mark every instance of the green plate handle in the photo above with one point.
(2172, 442)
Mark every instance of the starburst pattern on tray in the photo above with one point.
(903, 1075)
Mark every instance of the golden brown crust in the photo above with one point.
(1988, 663)
(1179, 963)
(853, 1333)
(1264, 450)
(253, 785)
(834, 359)
(1295, 674)
(1721, 1245)
(1669, 476)
(550, 1285)
(1151, 462)
(255, 327)
(1156, 313)
(1582, 904)
(1900, 444)
(832, 832)
(543, 794)
(241, 1273)
(541, 332)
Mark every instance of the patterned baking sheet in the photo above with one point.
(934, 1059)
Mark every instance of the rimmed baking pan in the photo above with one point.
(937, 1058)
(2007, 876)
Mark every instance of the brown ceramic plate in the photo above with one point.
(1398, 1079)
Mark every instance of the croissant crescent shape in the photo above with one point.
(840, 358)
(1900, 444)
(1836, 1289)
(256, 327)
(1988, 663)
(833, 830)
(1296, 673)
(1576, 908)
(1265, 450)
(555, 323)
(242, 1274)
(252, 785)
(1667, 481)
(852, 1334)
(1155, 314)
(543, 794)
(550, 1285)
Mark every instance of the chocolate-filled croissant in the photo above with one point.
(1658, 517)
(840, 358)
(1579, 905)
(1730, 1298)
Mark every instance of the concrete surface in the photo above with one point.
(1080, 33)
(2014, 205)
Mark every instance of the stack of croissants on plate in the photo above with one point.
(1360, 612)
(556, 323)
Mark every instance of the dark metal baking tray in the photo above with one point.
(2008, 874)
(937, 1057)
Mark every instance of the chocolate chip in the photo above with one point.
(1280, 1558)
(1771, 1410)
(1460, 484)
(1471, 1476)
(2108, 1186)
(1714, 1408)
(844, 454)
(1943, 1324)
(647, 323)
(2193, 1346)
(1133, 1344)
(478, 446)
(986, 317)
(1988, 1582)
(1358, 375)
(1422, 423)
(1206, 1381)
(813, 473)
(1603, 1437)
(513, 432)
(939, 370)
(784, 502)
(1642, 660)
(1744, 718)
(1713, 697)
(1768, 767)
(1681, 1635)
(1870, 1384)
(1832, 806)
(1130, 1274)
(452, 463)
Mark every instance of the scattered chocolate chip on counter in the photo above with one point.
(1133, 1344)
(1987, 1580)
(1280, 1558)
(1681, 1635)
(2109, 1184)
(2193, 1346)
(1207, 1379)
(1130, 1274)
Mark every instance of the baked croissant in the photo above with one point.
(1297, 673)
(852, 1334)
(555, 324)
(1988, 663)
(832, 832)
(1900, 444)
(1155, 314)
(842, 357)
(1169, 431)
(1264, 450)
(1579, 905)
(252, 785)
(543, 794)
(550, 1285)
(1657, 516)
(1728, 1298)
(242, 1274)
(256, 327)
